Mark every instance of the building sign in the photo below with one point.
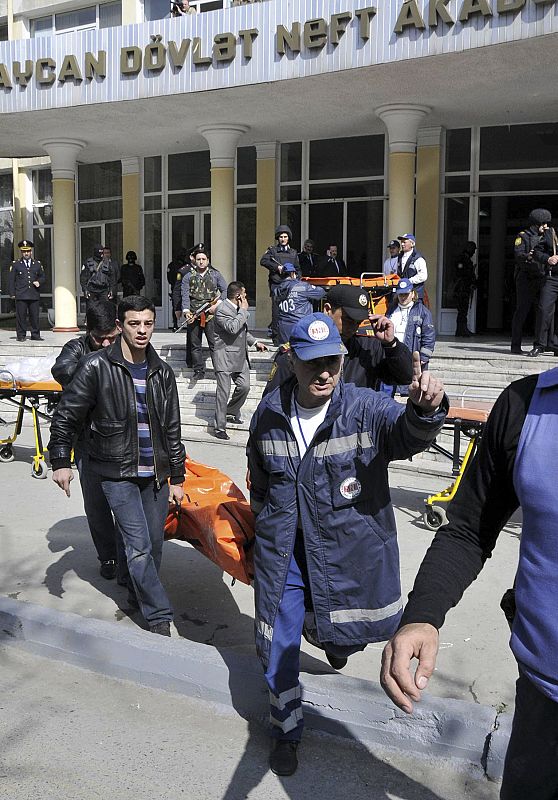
(213, 57)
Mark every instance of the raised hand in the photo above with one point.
(425, 390)
(382, 327)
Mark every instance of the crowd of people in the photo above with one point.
(319, 446)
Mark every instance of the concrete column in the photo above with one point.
(63, 155)
(427, 214)
(222, 140)
(19, 204)
(132, 11)
(266, 198)
(130, 207)
(402, 121)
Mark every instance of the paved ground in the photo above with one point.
(69, 734)
(48, 559)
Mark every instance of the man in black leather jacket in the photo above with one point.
(130, 398)
(100, 321)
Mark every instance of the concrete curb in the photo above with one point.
(348, 707)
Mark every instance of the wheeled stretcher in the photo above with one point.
(466, 420)
(28, 397)
(377, 286)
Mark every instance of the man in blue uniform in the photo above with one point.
(24, 283)
(293, 300)
(326, 558)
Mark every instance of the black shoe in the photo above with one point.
(221, 435)
(21, 338)
(536, 351)
(236, 420)
(37, 339)
(337, 662)
(162, 628)
(108, 569)
(463, 334)
(199, 374)
(516, 350)
(282, 759)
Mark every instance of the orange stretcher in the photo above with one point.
(215, 518)
(28, 397)
(466, 418)
(378, 287)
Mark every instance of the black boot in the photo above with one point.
(282, 759)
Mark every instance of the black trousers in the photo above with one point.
(195, 330)
(531, 767)
(544, 333)
(527, 291)
(25, 309)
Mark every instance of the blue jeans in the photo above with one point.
(97, 510)
(140, 510)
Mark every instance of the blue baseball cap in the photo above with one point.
(288, 267)
(404, 286)
(316, 336)
(410, 236)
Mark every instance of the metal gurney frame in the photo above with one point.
(468, 419)
(26, 397)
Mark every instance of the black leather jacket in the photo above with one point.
(66, 363)
(103, 391)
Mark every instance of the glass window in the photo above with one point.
(105, 209)
(110, 15)
(41, 26)
(246, 196)
(319, 191)
(42, 186)
(456, 234)
(528, 182)
(189, 170)
(291, 216)
(347, 157)
(291, 162)
(246, 250)
(113, 238)
(519, 146)
(460, 184)
(96, 181)
(76, 19)
(365, 223)
(6, 190)
(152, 203)
(211, 5)
(3, 33)
(152, 172)
(42, 239)
(246, 166)
(153, 256)
(291, 192)
(156, 9)
(6, 249)
(458, 150)
(189, 199)
(42, 215)
(325, 226)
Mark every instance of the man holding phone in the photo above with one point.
(230, 357)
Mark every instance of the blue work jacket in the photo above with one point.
(338, 494)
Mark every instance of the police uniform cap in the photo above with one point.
(25, 244)
(352, 299)
(197, 248)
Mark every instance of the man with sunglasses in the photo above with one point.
(100, 321)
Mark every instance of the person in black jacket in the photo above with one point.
(545, 254)
(529, 273)
(24, 284)
(512, 468)
(274, 260)
(331, 265)
(374, 358)
(130, 398)
(100, 321)
(131, 275)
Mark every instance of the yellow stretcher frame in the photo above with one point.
(470, 422)
(26, 396)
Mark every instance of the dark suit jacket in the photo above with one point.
(327, 268)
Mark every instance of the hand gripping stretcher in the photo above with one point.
(28, 397)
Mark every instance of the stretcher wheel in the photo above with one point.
(434, 517)
(40, 471)
(6, 454)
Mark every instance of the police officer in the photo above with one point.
(274, 259)
(293, 299)
(25, 280)
(464, 285)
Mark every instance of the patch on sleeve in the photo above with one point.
(518, 241)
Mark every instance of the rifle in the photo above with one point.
(201, 310)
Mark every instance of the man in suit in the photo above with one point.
(24, 284)
(230, 357)
(308, 260)
(331, 266)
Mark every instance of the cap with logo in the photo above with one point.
(404, 286)
(393, 243)
(198, 248)
(25, 244)
(316, 336)
(288, 267)
(352, 299)
(410, 236)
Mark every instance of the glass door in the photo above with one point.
(186, 228)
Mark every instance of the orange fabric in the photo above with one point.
(42, 386)
(216, 519)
